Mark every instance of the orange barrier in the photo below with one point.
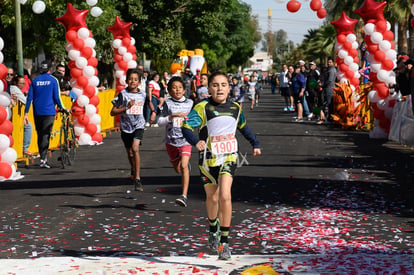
(104, 108)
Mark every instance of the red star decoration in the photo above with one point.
(73, 18)
(119, 29)
(371, 10)
(344, 25)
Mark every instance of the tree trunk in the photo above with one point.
(402, 36)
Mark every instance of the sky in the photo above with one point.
(295, 24)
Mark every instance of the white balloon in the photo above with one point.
(73, 83)
(391, 54)
(90, 42)
(77, 91)
(117, 43)
(343, 80)
(116, 67)
(381, 104)
(90, 110)
(23, 2)
(96, 11)
(385, 45)
(4, 143)
(122, 80)
(373, 96)
(369, 28)
(4, 100)
(9, 113)
(68, 47)
(375, 66)
(388, 26)
(38, 7)
(81, 62)
(1, 86)
(1, 43)
(382, 75)
(355, 45)
(79, 130)
(376, 37)
(1, 58)
(371, 59)
(348, 60)
(95, 119)
(351, 37)
(132, 64)
(85, 139)
(91, 2)
(122, 50)
(354, 67)
(94, 81)
(127, 57)
(132, 41)
(342, 53)
(82, 100)
(338, 47)
(9, 155)
(88, 71)
(83, 33)
(93, 53)
(119, 73)
(73, 54)
(98, 128)
(357, 74)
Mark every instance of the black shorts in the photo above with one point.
(285, 91)
(212, 175)
(128, 138)
(298, 99)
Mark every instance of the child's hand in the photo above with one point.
(130, 104)
(179, 115)
(256, 152)
(201, 145)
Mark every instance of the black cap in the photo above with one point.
(45, 66)
(409, 61)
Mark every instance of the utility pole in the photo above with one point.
(19, 40)
(269, 26)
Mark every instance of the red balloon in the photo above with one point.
(3, 114)
(75, 72)
(126, 42)
(5, 170)
(347, 45)
(343, 67)
(86, 52)
(367, 40)
(72, 64)
(123, 65)
(381, 26)
(94, 101)
(83, 120)
(387, 64)
(92, 61)
(119, 88)
(132, 49)
(344, 25)
(3, 72)
(371, 10)
(315, 5)
(82, 81)
(373, 48)
(353, 52)
(91, 129)
(355, 81)
(349, 74)
(119, 29)
(321, 13)
(388, 35)
(382, 89)
(385, 123)
(392, 45)
(78, 111)
(412, 23)
(11, 140)
(373, 77)
(293, 5)
(71, 35)
(89, 91)
(73, 19)
(379, 56)
(118, 58)
(97, 137)
(6, 127)
(356, 60)
(78, 43)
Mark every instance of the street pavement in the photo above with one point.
(318, 200)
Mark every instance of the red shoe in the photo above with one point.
(27, 153)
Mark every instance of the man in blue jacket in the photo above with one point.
(45, 95)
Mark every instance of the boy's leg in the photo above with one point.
(225, 212)
(185, 173)
(136, 158)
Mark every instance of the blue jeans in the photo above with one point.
(305, 107)
(148, 109)
(27, 136)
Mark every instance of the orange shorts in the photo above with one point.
(175, 153)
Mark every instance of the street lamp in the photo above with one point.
(19, 43)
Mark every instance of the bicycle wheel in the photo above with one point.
(72, 144)
(64, 157)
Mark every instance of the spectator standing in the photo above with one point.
(187, 78)
(298, 84)
(285, 83)
(44, 94)
(202, 89)
(155, 98)
(328, 86)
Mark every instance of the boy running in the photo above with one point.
(217, 119)
(174, 111)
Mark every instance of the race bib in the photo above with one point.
(223, 144)
(136, 109)
(177, 122)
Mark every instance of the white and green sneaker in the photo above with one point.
(224, 252)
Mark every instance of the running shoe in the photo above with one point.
(214, 240)
(138, 185)
(147, 124)
(299, 120)
(224, 252)
(155, 125)
(286, 109)
(291, 108)
(44, 164)
(181, 201)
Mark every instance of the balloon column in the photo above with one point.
(346, 47)
(125, 57)
(82, 65)
(380, 45)
(7, 154)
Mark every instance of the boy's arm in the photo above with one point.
(250, 136)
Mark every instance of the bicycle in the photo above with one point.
(67, 141)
